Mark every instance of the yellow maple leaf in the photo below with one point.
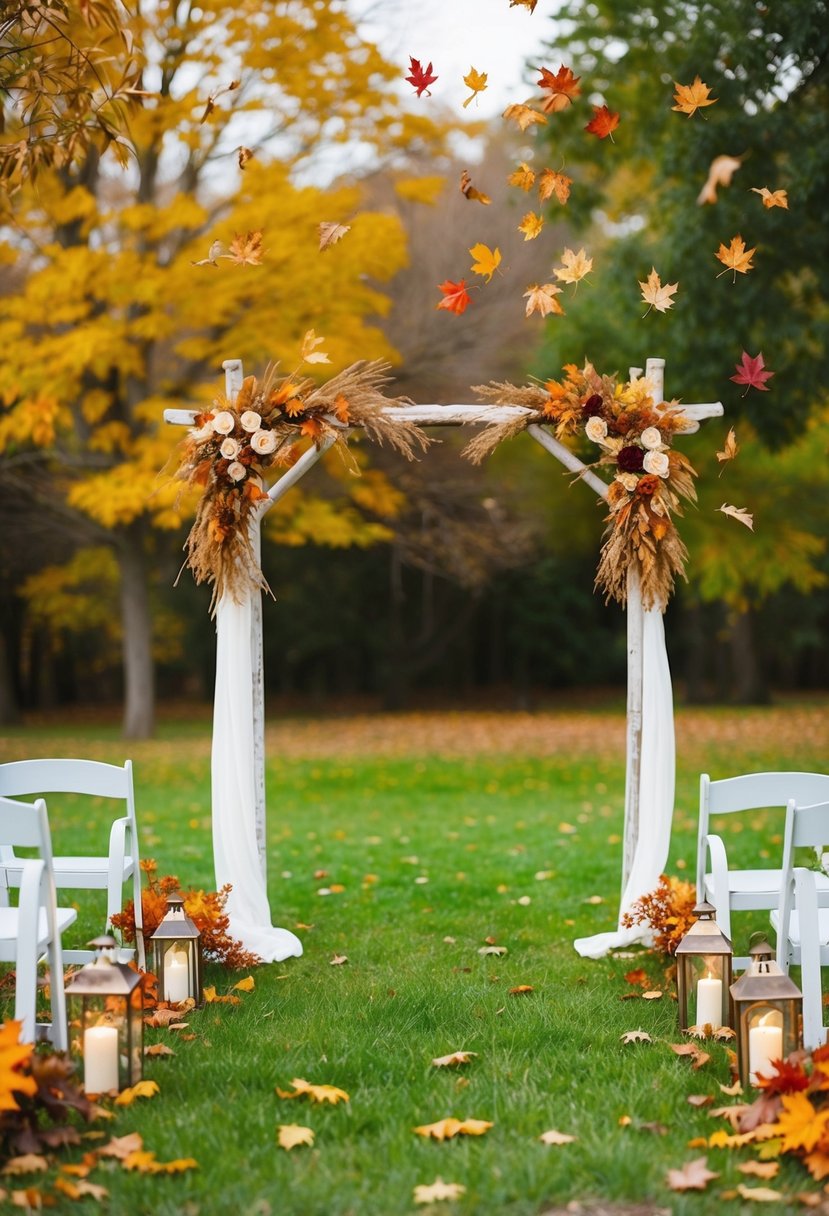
(143, 1089)
(486, 261)
(290, 1135)
(735, 256)
(541, 299)
(551, 183)
(13, 1054)
(476, 81)
(655, 295)
(531, 225)
(800, 1125)
(775, 198)
(211, 997)
(691, 97)
(317, 1093)
(574, 266)
(438, 1190)
(80, 1189)
(524, 116)
(444, 1129)
(523, 177)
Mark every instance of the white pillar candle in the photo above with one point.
(709, 1002)
(176, 976)
(100, 1059)
(765, 1043)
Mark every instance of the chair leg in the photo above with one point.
(814, 1034)
(25, 992)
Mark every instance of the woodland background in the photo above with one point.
(413, 583)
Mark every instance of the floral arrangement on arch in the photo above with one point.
(633, 434)
(233, 447)
(668, 911)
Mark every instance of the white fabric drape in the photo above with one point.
(235, 852)
(656, 788)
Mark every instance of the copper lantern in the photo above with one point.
(176, 955)
(768, 1005)
(105, 1007)
(703, 973)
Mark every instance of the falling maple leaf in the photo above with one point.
(552, 183)
(453, 1060)
(541, 299)
(455, 296)
(694, 1176)
(210, 104)
(636, 1036)
(730, 448)
(530, 4)
(655, 295)
(142, 1089)
(486, 261)
(692, 97)
(523, 177)
(751, 372)
(330, 232)
(531, 225)
(735, 256)
(420, 78)
(290, 1135)
(437, 1191)
(574, 266)
(309, 354)
(245, 250)
(554, 1137)
(215, 251)
(720, 172)
(245, 154)
(317, 1093)
(559, 89)
(476, 81)
(776, 198)
(470, 192)
(523, 115)
(603, 123)
(739, 513)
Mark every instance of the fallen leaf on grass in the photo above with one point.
(211, 997)
(521, 990)
(145, 1163)
(699, 1099)
(338, 960)
(554, 1137)
(453, 1060)
(143, 1089)
(81, 1189)
(492, 950)
(437, 1191)
(760, 1169)
(697, 1057)
(635, 1036)
(317, 1093)
(759, 1194)
(694, 1176)
(638, 976)
(732, 1113)
(732, 1090)
(122, 1146)
(162, 1017)
(447, 1129)
(654, 995)
(28, 1163)
(159, 1049)
(290, 1135)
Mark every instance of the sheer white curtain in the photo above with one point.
(235, 852)
(656, 787)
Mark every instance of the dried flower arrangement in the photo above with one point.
(668, 911)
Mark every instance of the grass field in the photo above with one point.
(444, 830)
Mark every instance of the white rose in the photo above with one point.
(657, 462)
(236, 471)
(263, 442)
(629, 480)
(224, 422)
(596, 429)
(250, 421)
(651, 438)
(230, 448)
(202, 432)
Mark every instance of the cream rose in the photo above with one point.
(263, 442)
(629, 480)
(656, 462)
(651, 438)
(202, 432)
(251, 421)
(230, 448)
(596, 429)
(224, 422)
(236, 471)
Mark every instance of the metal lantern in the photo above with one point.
(703, 973)
(105, 1007)
(176, 955)
(768, 1005)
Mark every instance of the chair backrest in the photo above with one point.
(26, 825)
(93, 777)
(751, 791)
(806, 826)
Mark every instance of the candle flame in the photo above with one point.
(764, 1020)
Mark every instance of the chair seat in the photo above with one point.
(9, 931)
(794, 925)
(92, 872)
(757, 888)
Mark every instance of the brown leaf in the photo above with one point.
(329, 233)
(694, 1176)
(551, 183)
(338, 960)
(159, 1049)
(470, 192)
(245, 154)
(730, 448)
(81, 1189)
(638, 976)
(521, 990)
(697, 1057)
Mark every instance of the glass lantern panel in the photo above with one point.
(707, 985)
(99, 1032)
(765, 1039)
(177, 972)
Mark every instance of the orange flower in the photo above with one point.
(648, 484)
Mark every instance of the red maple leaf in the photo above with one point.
(789, 1077)
(603, 122)
(750, 373)
(560, 89)
(455, 296)
(421, 78)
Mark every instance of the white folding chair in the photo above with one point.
(33, 928)
(736, 890)
(801, 920)
(96, 872)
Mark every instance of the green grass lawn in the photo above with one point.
(437, 851)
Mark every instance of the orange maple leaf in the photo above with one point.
(470, 192)
(735, 256)
(531, 225)
(603, 123)
(772, 198)
(523, 115)
(691, 97)
(559, 89)
(523, 178)
(340, 409)
(551, 183)
(14, 1054)
(455, 296)
(245, 250)
(800, 1125)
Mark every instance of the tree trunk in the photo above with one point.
(9, 709)
(136, 619)
(749, 684)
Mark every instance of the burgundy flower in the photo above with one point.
(631, 459)
(593, 405)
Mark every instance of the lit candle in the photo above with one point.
(765, 1043)
(709, 1002)
(176, 976)
(100, 1059)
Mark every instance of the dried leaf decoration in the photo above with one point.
(558, 90)
(486, 262)
(447, 1129)
(739, 513)
(776, 198)
(603, 123)
(13, 1056)
(437, 1191)
(655, 295)
(752, 372)
(720, 172)
(694, 1176)
(330, 232)
(455, 296)
(291, 1135)
(470, 193)
(730, 448)
(523, 116)
(531, 225)
(735, 256)
(552, 183)
(316, 1093)
(454, 1059)
(476, 81)
(542, 299)
(574, 266)
(419, 77)
(692, 97)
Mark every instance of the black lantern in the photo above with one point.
(703, 973)
(176, 955)
(768, 1005)
(105, 1008)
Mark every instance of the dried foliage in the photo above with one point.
(39, 1097)
(206, 909)
(792, 1111)
(668, 911)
